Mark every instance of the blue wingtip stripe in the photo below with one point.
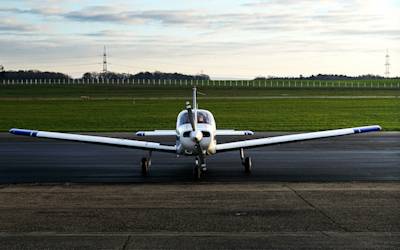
(367, 129)
(25, 132)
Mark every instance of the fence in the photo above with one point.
(377, 84)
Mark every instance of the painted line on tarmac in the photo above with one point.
(201, 234)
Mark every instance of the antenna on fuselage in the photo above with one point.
(195, 105)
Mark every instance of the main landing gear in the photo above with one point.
(200, 165)
(246, 162)
(145, 164)
(199, 168)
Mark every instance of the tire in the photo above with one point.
(247, 165)
(145, 166)
(197, 172)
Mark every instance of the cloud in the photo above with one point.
(271, 16)
(270, 3)
(113, 15)
(274, 22)
(44, 11)
(395, 33)
(10, 25)
(261, 30)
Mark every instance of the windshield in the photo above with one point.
(202, 117)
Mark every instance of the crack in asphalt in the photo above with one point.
(124, 247)
(332, 220)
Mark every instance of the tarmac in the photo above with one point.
(333, 193)
(361, 157)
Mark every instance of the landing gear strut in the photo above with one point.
(246, 162)
(199, 168)
(145, 164)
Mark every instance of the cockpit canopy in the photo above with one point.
(203, 117)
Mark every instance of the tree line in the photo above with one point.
(144, 76)
(35, 74)
(325, 77)
(31, 74)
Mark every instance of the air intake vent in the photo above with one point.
(206, 133)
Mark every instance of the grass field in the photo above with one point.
(128, 92)
(260, 115)
(125, 108)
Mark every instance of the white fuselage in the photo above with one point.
(205, 133)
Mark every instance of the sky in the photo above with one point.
(239, 39)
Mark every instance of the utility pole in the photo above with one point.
(387, 64)
(104, 60)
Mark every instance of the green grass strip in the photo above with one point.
(259, 115)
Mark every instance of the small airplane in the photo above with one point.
(196, 135)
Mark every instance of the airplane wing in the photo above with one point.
(117, 142)
(293, 138)
(173, 132)
(157, 133)
(233, 132)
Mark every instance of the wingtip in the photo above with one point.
(26, 132)
(376, 127)
(373, 128)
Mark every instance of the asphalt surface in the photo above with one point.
(337, 193)
(201, 216)
(361, 157)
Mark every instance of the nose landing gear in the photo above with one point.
(199, 168)
(145, 164)
(246, 162)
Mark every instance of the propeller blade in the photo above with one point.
(191, 118)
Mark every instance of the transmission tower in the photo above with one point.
(105, 60)
(387, 64)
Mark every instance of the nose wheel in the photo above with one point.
(246, 162)
(247, 165)
(197, 172)
(199, 168)
(145, 165)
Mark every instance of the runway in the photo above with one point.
(363, 157)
